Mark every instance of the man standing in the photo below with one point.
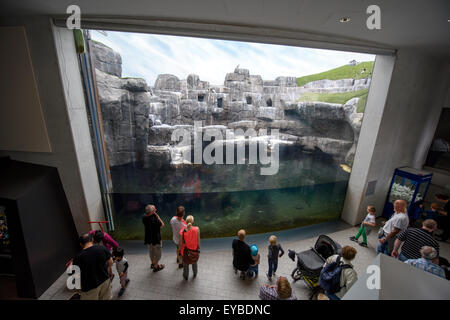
(428, 262)
(397, 223)
(414, 239)
(177, 222)
(153, 225)
(95, 270)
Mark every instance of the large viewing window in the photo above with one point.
(243, 135)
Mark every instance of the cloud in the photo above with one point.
(147, 55)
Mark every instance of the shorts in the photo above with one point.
(155, 252)
(102, 292)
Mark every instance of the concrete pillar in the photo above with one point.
(401, 116)
(59, 84)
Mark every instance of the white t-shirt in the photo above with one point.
(120, 265)
(177, 225)
(398, 220)
(371, 219)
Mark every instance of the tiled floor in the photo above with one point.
(216, 279)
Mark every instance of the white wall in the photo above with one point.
(417, 92)
(60, 91)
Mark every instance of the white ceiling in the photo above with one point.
(419, 24)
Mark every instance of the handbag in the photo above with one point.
(190, 256)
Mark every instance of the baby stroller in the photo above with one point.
(310, 262)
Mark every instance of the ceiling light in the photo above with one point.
(344, 19)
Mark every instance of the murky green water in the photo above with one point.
(309, 188)
(222, 214)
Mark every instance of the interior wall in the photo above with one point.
(417, 92)
(17, 132)
(60, 90)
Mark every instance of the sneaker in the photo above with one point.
(353, 239)
(269, 277)
(121, 291)
(362, 244)
(180, 266)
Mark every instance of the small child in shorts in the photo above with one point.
(122, 269)
(275, 251)
(253, 270)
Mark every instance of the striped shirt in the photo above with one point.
(414, 239)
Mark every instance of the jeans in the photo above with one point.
(253, 270)
(273, 265)
(332, 296)
(186, 270)
(382, 248)
(402, 258)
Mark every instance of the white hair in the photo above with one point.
(428, 252)
(150, 208)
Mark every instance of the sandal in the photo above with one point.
(158, 268)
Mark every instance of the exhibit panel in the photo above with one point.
(407, 184)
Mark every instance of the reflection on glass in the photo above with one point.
(306, 129)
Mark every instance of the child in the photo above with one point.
(122, 269)
(275, 252)
(366, 226)
(256, 258)
(432, 214)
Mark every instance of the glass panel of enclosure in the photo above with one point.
(251, 150)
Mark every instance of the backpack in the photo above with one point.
(330, 276)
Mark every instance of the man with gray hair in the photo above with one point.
(428, 262)
(412, 240)
(153, 224)
(396, 224)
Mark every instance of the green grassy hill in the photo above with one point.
(344, 72)
(340, 97)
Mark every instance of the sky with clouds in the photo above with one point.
(147, 55)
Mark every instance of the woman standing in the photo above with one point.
(190, 247)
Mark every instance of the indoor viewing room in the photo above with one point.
(225, 150)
